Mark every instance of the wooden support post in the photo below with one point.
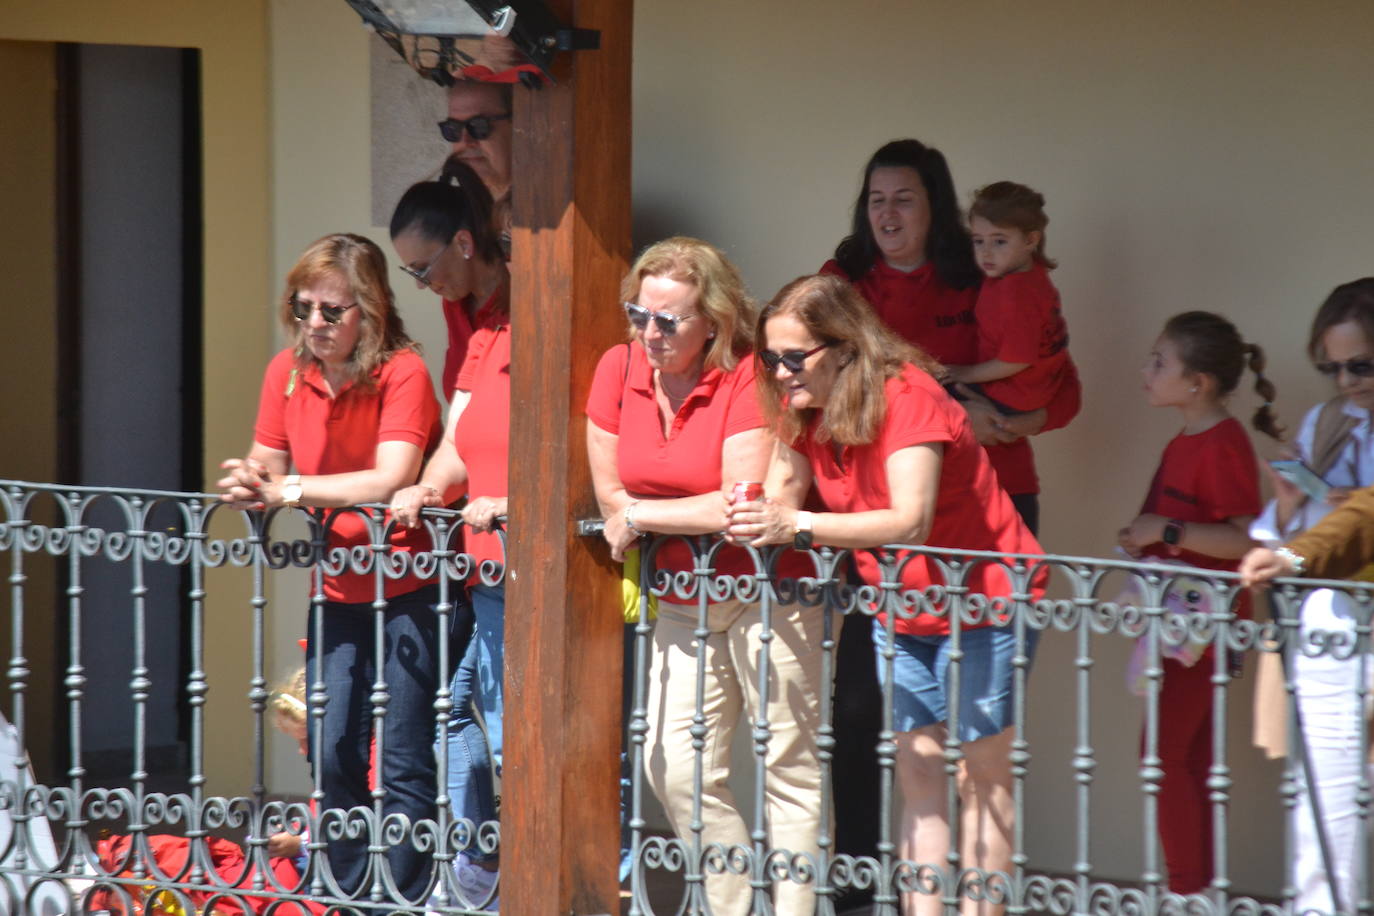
(571, 245)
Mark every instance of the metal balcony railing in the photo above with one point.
(52, 853)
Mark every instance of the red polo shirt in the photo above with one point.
(686, 462)
(971, 512)
(336, 435)
(921, 308)
(941, 321)
(462, 323)
(482, 436)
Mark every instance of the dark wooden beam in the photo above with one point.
(571, 246)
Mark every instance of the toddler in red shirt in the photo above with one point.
(1022, 339)
(1198, 511)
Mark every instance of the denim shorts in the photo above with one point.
(921, 671)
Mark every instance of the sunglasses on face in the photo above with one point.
(794, 360)
(478, 127)
(639, 317)
(332, 314)
(1361, 367)
(421, 276)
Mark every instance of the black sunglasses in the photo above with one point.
(794, 360)
(1362, 367)
(639, 317)
(332, 314)
(479, 127)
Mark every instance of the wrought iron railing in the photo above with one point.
(51, 860)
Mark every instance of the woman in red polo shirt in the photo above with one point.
(473, 459)
(350, 406)
(441, 234)
(675, 423)
(893, 458)
(910, 255)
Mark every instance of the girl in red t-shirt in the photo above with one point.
(1198, 510)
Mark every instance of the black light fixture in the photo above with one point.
(488, 40)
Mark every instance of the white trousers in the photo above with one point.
(792, 781)
(1331, 720)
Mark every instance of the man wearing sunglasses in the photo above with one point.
(479, 127)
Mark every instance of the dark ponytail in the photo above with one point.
(1208, 344)
(437, 210)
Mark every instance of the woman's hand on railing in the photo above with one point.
(242, 487)
(407, 502)
(481, 512)
(1262, 564)
(1143, 531)
(762, 522)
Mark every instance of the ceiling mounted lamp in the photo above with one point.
(486, 40)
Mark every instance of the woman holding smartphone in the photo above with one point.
(1335, 445)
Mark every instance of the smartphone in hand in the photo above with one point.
(1303, 477)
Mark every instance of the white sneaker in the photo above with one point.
(476, 885)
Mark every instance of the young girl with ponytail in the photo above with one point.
(1198, 510)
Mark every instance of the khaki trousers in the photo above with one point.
(792, 785)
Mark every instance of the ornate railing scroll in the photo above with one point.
(55, 855)
(1159, 610)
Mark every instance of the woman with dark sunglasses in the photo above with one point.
(893, 459)
(442, 233)
(346, 415)
(1336, 443)
(445, 233)
(674, 425)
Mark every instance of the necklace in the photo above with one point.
(663, 384)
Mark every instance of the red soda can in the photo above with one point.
(746, 491)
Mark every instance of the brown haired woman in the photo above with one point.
(894, 460)
(350, 405)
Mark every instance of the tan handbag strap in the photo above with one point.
(1334, 426)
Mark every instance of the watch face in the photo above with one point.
(1171, 534)
(802, 541)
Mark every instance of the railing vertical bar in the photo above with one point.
(1364, 792)
(196, 679)
(1084, 757)
(1290, 784)
(1020, 747)
(825, 740)
(1219, 777)
(695, 870)
(639, 729)
(18, 673)
(75, 679)
(323, 877)
(886, 896)
(954, 571)
(138, 682)
(380, 697)
(444, 853)
(257, 682)
(1151, 772)
(762, 734)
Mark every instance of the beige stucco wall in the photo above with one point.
(232, 38)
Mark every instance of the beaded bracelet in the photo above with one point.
(629, 518)
(1293, 559)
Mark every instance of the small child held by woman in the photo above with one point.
(1197, 511)
(1022, 339)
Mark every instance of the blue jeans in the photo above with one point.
(347, 666)
(478, 684)
(470, 785)
(488, 653)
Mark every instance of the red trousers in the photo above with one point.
(1185, 752)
